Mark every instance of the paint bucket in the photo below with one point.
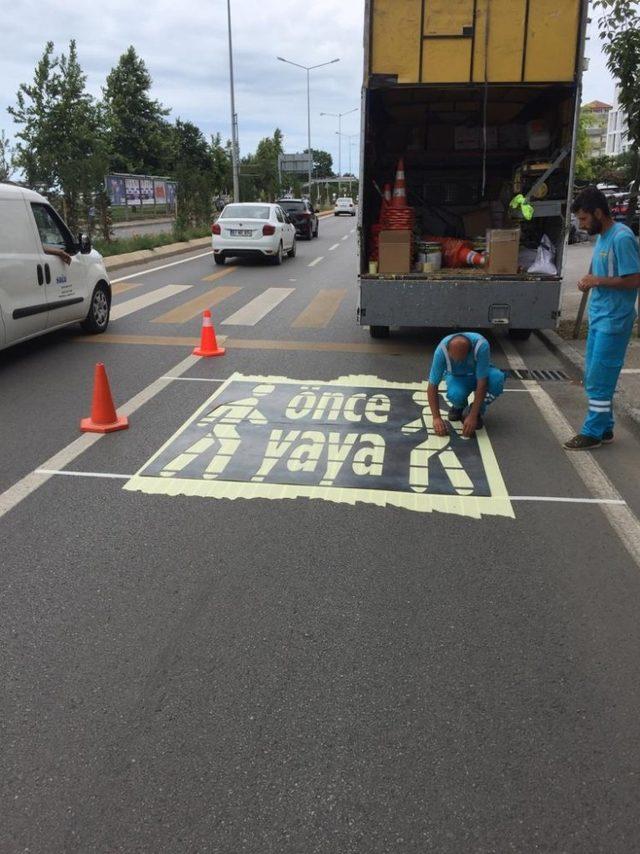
(433, 255)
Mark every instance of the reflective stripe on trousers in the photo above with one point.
(603, 362)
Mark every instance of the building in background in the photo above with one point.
(596, 114)
(617, 131)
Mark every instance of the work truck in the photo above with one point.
(479, 100)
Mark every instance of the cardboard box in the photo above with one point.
(503, 246)
(395, 251)
(477, 222)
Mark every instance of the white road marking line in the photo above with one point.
(162, 267)
(193, 379)
(316, 261)
(293, 280)
(621, 518)
(20, 490)
(335, 246)
(124, 309)
(346, 237)
(254, 311)
(630, 371)
(85, 474)
(557, 499)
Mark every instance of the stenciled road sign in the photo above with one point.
(354, 439)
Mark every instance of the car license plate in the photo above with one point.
(240, 232)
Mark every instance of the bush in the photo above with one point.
(120, 246)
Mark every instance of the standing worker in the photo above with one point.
(463, 359)
(613, 281)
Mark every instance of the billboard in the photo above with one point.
(140, 190)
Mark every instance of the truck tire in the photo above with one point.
(379, 331)
(520, 334)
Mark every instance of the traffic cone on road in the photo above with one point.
(103, 418)
(208, 343)
(400, 187)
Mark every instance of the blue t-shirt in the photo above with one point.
(615, 254)
(476, 364)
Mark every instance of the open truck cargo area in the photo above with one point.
(473, 105)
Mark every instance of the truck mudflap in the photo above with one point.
(459, 304)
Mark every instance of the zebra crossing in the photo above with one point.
(318, 313)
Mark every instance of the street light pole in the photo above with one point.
(234, 118)
(339, 117)
(308, 69)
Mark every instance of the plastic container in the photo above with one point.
(433, 255)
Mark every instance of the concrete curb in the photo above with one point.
(574, 360)
(144, 256)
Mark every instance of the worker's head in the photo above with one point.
(458, 348)
(592, 209)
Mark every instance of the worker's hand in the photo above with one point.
(587, 282)
(470, 426)
(440, 427)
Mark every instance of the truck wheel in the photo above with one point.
(97, 318)
(379, 331)
(520, 334)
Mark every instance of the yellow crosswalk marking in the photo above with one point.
(194, 307)
(219, 274)
(320, 310)
(123, 287)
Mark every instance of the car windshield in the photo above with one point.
(290, 206)
(246, 212)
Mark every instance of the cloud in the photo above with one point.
(185, 48)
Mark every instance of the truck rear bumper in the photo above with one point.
(459, 304)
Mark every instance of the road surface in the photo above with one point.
(303, 627)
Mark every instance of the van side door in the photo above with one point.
(23, 299)
(66, 284)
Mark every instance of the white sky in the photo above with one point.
(184, 46)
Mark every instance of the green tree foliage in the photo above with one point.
(584, 167)
(7, 164)
(138, 135)
(322, 163)
(259, 171)
(192, 165)
(61, 148)
(619, 27)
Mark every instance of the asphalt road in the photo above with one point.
(190, 673)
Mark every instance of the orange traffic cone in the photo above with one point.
(400, 188)
(208, 343)
(103, 418)
(386, 201)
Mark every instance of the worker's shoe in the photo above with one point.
(582, 443)
(607, 438)
(455, 413)
(465, 413)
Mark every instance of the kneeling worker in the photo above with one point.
(463, 360)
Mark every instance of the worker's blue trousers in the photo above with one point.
(460, 387)
(603, 363)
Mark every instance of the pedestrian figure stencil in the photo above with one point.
(422, 455)
(222, 422)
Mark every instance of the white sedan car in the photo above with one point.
(253, 230)
(344, 206)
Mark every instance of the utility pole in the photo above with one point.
(235, 145)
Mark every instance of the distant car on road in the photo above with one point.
(302, 215)
(48, 278)
(344, 206)
(253, 230)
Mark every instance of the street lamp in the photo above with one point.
(350, 139)
(308, 68)
(234, 117)
(339, 117)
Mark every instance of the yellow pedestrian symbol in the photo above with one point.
(222, 422)
(432, 447)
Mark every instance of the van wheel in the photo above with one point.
(379, 331)
(520, 334)
(97, 319)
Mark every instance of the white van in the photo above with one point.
(47, 278)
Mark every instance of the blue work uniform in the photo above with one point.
(462, 377)
(611, 316)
